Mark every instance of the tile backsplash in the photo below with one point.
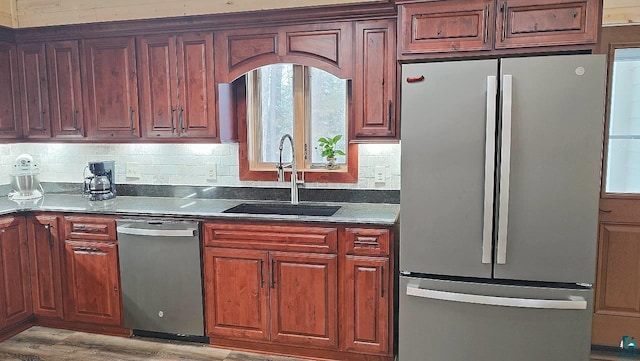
(182, 164)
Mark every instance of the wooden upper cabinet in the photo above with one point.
(196, 92)
(32, 67)
(45, 261)
(15, 293)
(65, 90)
(445, 27)
(529, 23)
(374, 81)
(158, 85)
(111, 88)
(10, 112)
(177, 92)
(434, 27)
(325, 46)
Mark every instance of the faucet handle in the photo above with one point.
(280, 170)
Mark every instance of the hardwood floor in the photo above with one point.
(47, 344)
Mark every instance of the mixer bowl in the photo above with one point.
(25, 184)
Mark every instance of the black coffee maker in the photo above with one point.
(100, 185)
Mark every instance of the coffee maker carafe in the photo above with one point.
(100, 185)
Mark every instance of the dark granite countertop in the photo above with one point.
(382, 214)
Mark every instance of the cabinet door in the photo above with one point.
(197, 110)
(112, 88)
(528, 23)
(304, 303)
(236, 293)
(92, 283)
(448, 26)
(65, 91)
(32, 68)
(15, 293)
(365, 319)
(158, 85)
(44, 254)
(10, 114)
(375, 80)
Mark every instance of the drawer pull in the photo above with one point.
(87, 249)
(365, 243)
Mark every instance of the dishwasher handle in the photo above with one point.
(187, 232)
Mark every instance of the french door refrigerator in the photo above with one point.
(499, 208)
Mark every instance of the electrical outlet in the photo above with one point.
(133, 170)
(212, 172)
(380, 174)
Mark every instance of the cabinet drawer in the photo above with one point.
(272, 236)
(93, 228)
(367, 241)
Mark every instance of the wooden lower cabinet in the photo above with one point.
(237, 293)
(45, 262)
(15, 292)
(304, 298)
(288, 297)
(365, 319)
(267, 289)
(92, 283)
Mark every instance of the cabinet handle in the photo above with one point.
(173, 128)
(181, 118)
(486, 24)
(261, 274)
(382, 281)
(115, 289)
(504, 20)
(75, 119)
(87, 249)
(604, 210)
(48, 228)
(131, 120)
(363, 243)
(390, 114)
(273, 274)
(416, 79)
(42, 125)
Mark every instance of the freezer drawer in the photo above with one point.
(462, 321)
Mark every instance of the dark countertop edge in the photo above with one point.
(219, 216)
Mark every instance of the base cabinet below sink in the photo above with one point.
(320, 291)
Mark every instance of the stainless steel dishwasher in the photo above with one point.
(161, 275)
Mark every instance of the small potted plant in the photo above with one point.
(329, 151)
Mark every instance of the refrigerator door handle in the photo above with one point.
(573, 303)
(489, 168)
(505, 169)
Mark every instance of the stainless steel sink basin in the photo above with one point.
(283, 209)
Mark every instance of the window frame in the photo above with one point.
(348, 174)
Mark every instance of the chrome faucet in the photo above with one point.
(294, 170)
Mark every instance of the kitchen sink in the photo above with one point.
(283, 209)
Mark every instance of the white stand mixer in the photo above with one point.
(24, 180)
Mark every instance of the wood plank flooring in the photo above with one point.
(47, 344)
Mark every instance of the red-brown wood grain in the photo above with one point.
(45, 261)
(15, 292)
(32, 67)
(65, 89)
(237, 293)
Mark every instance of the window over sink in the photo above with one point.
(305, 102)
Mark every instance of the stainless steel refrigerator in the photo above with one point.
(499, 208)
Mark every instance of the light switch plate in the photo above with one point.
(133, 170)
(380, 174)
(212, 172)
